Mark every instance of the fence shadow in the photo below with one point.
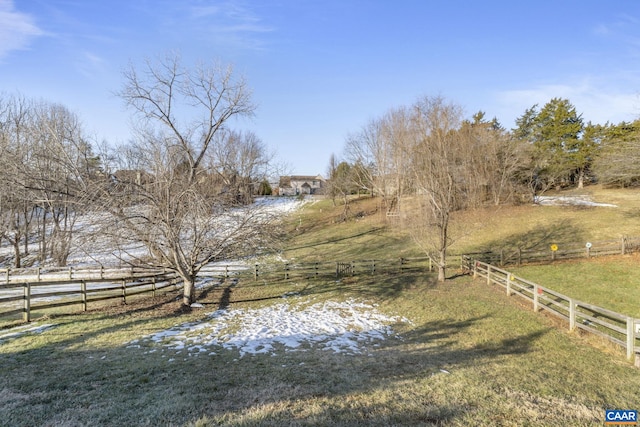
(539, 238)
(509, 249)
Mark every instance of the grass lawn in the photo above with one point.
(536, 227)
(609, 282)
(468, 357)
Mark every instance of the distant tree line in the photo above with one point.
(447, 163)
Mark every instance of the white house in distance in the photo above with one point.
(299, 184)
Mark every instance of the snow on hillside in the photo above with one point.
(569, 201)
(87, 250)
(348, 327)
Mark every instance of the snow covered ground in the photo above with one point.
(348, 327)
(88, 250)
(18, 331)
(569, 201)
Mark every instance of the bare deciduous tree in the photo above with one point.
(177, 207)
(437, 153)
(45, 166)
(380, 150)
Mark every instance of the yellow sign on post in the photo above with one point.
(554, 247)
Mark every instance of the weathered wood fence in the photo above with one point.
(24, 291)
(615, 327)
(339, 269)
(517, 256)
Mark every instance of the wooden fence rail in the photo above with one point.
(22, 295)
(615, 327)
(517, 256)
(24, 291)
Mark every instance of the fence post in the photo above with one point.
(286, 271)
(519, 256)
(255, 272)
(316, 268)
(631, 338)
(70, 273)
(508, 284)
(38, 272)
(488, 274)
(83, 290)
(337, 270)
(353, 268)
(430, 265)
(226, 271)
(153, 286)
(623, 245)
(373, 267)
(401, 263)
(101, 271)
(8, 274)
(475, 268)
(572, 314)
(536, 297)
(124, 291)
(26, 313)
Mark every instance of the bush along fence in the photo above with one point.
(558, 251)
(29, 290)
(615, 327)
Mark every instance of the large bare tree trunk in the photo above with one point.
(180, 191)
(442, 266)
(189, 292)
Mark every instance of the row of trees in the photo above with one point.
(177, 196)
(428, 150)
(45, 161)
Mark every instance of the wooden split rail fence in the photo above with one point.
(27, 290)
(615, 327)
(559, 251)
(24, 291)
(332, 269)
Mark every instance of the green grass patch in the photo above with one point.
(536, 227)
(319, 232)
(468, 357)
(608, 282)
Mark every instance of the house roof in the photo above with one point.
(306, 178)
(285, 181)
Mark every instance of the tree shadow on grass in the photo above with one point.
(380, 286)
(230, 388)
(563, 233)
(394, 363)
(343, 239)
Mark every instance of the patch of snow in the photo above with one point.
(569, 201)
(280, 205)
(341, 327)
(25, 329)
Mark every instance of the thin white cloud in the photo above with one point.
(16, 29)
(91, 65)
(597, 104)
(230, 23)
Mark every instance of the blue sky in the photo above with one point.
(320, 69)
